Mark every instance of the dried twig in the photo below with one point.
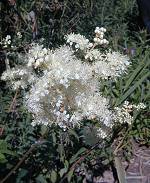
(13, 101)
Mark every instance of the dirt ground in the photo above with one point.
(138, 170)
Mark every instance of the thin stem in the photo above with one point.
(22, 160)
(79, 160)
(13, 101)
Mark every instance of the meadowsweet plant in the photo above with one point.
(62, 85)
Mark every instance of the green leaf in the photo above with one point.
(131, 89)
(53, 176)
(147, 96)
(72, 132)
(43, 129)
(3, 145)
(89, 134)
(66, 164)
(22, 173)
(54, 138)
(61, 151)
(4, 148)
(40, 179)
(62, 171)
(70, 174)
(2, 157)
(136, 72)
(6, 151)
(75, 157)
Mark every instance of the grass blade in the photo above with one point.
(131, 89)
(137, 72)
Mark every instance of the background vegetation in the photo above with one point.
(51, 155)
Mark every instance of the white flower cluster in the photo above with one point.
(131, 107)
(101, 133)
(18, 77)
(19, 35)
(139, 106)
(67, 93)
(37, 56)
(95, 54)
(99, 37)
(107, 64)
(123, 114)
(64, 87)
(94, 106)
(6, 41)
(80, 41)
(113, 65)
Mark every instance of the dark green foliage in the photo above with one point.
(51, 160)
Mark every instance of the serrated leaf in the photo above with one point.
(89, 134)
(4, 148)
(72, 132)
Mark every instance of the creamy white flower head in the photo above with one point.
(6, 41)
(95, 55)
(139, 106)
(8, 37)
(80, 41)
(112, 66)
(64, 86)
(19, 77)
(37, 56)
(132, 107)
(94, 106)
(99, 37)
(101, 133)
(74, 82)
(121, 115)
(64, 66)
(19, 35)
